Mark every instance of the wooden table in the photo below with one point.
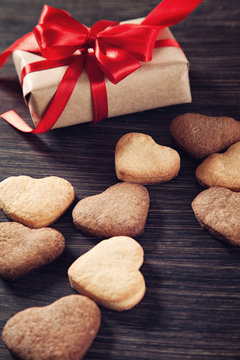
(192, 306)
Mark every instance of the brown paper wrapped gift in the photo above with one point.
(161, 82)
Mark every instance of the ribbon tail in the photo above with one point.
(98, 88)
(12, 118)
(170, 12)
(57, 104)
(25, 43)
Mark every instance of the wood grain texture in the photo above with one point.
(192, 306)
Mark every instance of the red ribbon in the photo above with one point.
(106, 49)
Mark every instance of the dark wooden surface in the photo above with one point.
(192, 306)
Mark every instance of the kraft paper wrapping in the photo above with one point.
(161, 82)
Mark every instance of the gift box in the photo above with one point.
(161, 82)
(109, 70)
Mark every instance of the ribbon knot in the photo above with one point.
(90, 41)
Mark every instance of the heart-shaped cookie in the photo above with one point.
(217, 209)
(139, 159)
(120, 210)
(23, 249)
(221, 169)
(35, 202)
(109, 273)
(202, 135)
(62, 330)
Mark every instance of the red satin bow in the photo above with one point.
(106, 49)
(118, 49)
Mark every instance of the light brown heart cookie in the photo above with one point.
(62, 330)
(221, 169)
(23, 249)
(35, 202)
(217, 209)
(202, 135)
(120, 210)
(109, 273)
(139, 159)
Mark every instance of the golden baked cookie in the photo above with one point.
(35, 202)
(221, 169)
(109, 273)
(139, 159)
